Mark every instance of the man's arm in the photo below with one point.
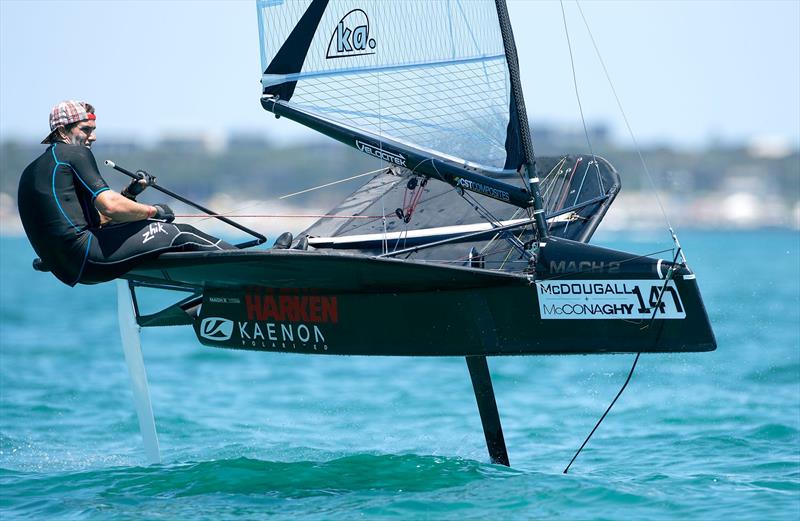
(121, 209)
(113, 207)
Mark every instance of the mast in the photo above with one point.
(522, 117)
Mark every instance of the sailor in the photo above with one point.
(81, 229)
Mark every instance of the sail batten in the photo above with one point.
(276, 79)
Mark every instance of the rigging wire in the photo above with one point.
(547, 182)
(330, 184)
(630, 132)
(497, 235)
(494, 221)
(550, 180)
(667, 278)
(583, 180)
(678, 253)
(385, 242)
(257, 203)
(628, 379)
(578, 97)
(567, 183)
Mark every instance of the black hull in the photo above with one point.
(489, 322)
(324, 303)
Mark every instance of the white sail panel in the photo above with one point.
(432, 74)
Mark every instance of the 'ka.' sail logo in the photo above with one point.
(351, 36)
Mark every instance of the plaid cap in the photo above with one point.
(68, 112)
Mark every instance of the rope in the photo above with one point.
(410, 203)
(288, 216)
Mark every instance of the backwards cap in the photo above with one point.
(66, 113)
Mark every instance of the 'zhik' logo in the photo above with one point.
(351, 36)
(215, 328)
(152, 230)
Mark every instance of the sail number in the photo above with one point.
(656, 299)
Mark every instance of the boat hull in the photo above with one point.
(487, 321)
(321, 303)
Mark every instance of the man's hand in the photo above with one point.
(138, 186)
(163, 213)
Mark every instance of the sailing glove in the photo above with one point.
(138, 186)
(164, 213)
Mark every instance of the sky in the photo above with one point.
(688, 73)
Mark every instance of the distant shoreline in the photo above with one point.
(632, 211)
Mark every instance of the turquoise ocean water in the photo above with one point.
(245, 435)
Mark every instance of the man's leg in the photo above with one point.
(117, 249)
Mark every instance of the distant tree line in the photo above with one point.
(253, 169)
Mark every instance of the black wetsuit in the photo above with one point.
(56, 203)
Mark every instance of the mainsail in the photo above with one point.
(427, 88)
(430, 75)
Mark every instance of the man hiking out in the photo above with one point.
(81, 229)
